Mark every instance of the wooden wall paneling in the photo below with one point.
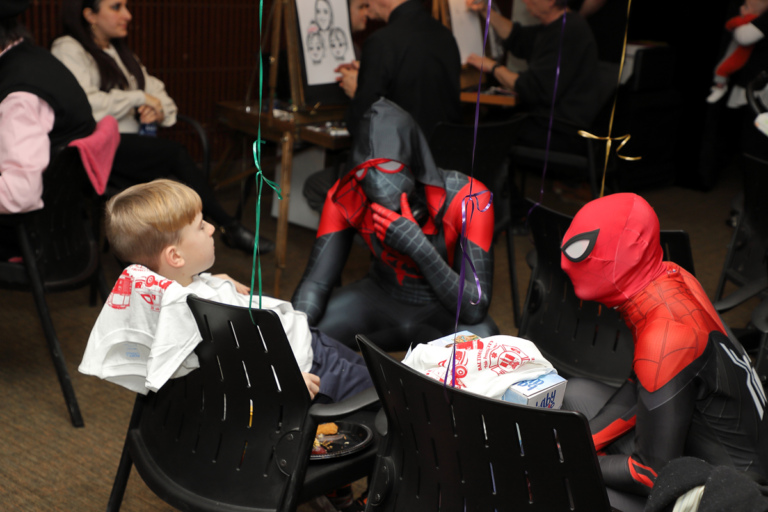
(203, 50)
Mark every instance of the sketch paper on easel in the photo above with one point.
(326, 36)
(466, 28)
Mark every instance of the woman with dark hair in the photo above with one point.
(95, 50)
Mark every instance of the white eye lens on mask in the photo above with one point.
(580, 246)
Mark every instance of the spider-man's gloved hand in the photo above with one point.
(400, 232)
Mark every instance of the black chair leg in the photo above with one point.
(50, 333)
(124, 467)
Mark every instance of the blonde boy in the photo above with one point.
(145, 334)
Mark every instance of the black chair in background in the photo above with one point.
(449, 450)
(451, 146)
(586, 164)
(236, 434)
(745, 261)
(580, 338)
(205, 145)
(59, 253)
(745, 270)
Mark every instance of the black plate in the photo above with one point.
(351, 438)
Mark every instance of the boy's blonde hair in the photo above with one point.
(144, 219)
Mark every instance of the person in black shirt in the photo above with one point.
(575, 58)
(414, 62)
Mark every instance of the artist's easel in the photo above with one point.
(284, 17)
(284, 130)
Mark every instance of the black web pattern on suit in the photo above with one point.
(407, 238)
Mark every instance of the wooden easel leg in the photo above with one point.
(282, 219)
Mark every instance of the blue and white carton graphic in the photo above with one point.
(546, 391)
(459, 337)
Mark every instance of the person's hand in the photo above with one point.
(400, 232)
(477, 6)
(354, 65)
(484, 64)
(348, 80)
(239, 287)
(151, 111)
(313, 383)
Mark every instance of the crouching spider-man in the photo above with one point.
(692, 390)
(409, 214)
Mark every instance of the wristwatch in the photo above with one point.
(493, 69)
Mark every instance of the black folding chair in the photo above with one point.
(236, 434)
(59, 253)
(450, 450)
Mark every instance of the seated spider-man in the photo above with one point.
(409, 213)
(692, 390)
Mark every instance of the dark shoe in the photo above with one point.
(238, 237)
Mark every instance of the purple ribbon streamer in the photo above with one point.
(551, 112)
(472, 199)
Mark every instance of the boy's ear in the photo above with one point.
(172, 256)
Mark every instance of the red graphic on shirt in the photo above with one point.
(120, 298)
(456, 365)
(503, 359)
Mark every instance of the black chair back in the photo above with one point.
(580, 338)
(587, 163)
(450, 450)
(234, 431)
(58, 236)
(235, 434)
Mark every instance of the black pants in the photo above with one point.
(588, 397)
(140, 159)
(364, 307)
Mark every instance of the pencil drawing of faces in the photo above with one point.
(337, 41)
(315, 46)
(323, 14)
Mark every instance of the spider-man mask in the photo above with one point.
(611, 249)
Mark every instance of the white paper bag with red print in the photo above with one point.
(486, 366)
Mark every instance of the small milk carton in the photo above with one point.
(546, 391)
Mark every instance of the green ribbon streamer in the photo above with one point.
(259, 177)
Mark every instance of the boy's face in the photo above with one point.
(196, 245)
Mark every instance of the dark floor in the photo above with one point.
(46, 464)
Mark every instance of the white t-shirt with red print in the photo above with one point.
(146, 334)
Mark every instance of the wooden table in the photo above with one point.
(244, 120)
(502, 100)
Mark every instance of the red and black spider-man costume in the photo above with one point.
(409, 214)
(692, 390)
